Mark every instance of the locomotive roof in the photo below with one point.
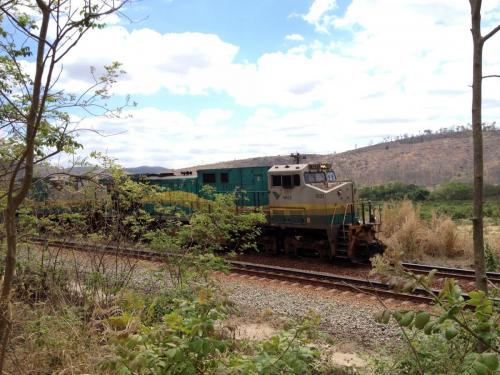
(172, 177)
(288, 168)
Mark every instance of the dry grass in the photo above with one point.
(491, 238)
(52, 341)
(403, 230)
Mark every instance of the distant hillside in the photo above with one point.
(423, 160)
(45, 170)
(143, 169)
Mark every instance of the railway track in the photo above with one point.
(326, 280)
(449, 271)
(293, 275)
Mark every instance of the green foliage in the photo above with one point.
(290, 352)
(452, 199)
(452, 191)
(394, 191)
(186, 342)
(220, 226)
(491, 259)
(461, 336)
(457, 210)
(460, 191)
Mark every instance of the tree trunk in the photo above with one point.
(15, 197)
(477, 139)
(10, 266)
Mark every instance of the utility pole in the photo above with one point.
(297, 157)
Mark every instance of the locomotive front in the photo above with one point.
(316, 212)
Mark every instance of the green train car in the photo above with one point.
(306, 207)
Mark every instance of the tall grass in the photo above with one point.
(404, 230)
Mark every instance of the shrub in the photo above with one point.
(186, 342)
(460, 337)
(394, 191)
(492, 260)
(452, 191)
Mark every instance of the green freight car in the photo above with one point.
(185, 191)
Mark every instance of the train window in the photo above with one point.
(330, 176)
(287, 181)
(311, 177)
(296, 179)
(314, 177)
(209, 178)
(276, 180)
(224, 178)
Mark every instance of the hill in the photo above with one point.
(423, 160)
(147, 169)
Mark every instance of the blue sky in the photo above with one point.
(228, 79)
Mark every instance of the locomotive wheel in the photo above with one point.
(269, 244)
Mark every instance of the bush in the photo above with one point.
(394, 191)
(460, 337)
(186, 342)
(452, 191)
(459, 191)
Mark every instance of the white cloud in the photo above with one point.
(157, 137)
(294, 37)
(184, 63)
(318, 14)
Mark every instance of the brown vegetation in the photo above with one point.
(422, 160)
(439, 240)
(404, 230)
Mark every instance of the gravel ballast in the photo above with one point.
(348, 317)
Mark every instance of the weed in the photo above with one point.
(492, 260)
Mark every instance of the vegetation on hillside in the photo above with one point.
(453, 199)
(428, 159)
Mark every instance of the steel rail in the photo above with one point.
(323, 279)
(449, 271)
(327, 280)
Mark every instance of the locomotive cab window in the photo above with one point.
(287, 181)
(276, 180)
(209, 178)
(296, 179)
(224, 178)
(312, 177)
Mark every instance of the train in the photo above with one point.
(307, 208)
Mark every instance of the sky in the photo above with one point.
(218, 80)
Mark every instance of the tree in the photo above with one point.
(477, 76)
(34, 120)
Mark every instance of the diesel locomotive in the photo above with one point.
(306, 207)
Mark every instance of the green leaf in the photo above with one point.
(421, 319)
(490, 360)
(407, 319)
(428, 328)
(480, 368)
(450, 333)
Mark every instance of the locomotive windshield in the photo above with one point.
(312, 177)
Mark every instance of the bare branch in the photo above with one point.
(491, 33)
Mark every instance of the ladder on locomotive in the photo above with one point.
(342, 234)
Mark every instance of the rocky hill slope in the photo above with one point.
(423, 160)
